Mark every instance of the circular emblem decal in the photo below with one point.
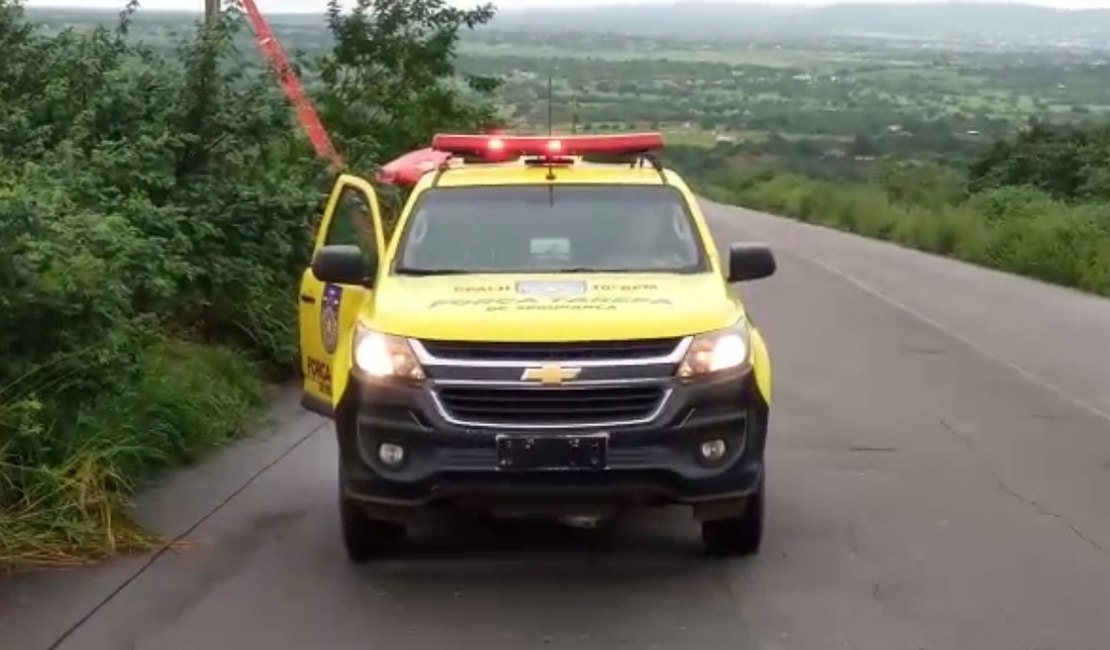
(329, 317)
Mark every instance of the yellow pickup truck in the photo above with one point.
(549, 330)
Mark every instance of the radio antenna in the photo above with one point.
(550, 128)
(574, 116)
(550, 101)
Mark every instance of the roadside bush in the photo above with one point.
(924, 184)
(1019, 203)
(1038, 204)
(156, 212)
(1065, 246)
(138, 200)
(65, 319)
(1017, 229)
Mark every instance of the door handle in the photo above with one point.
(305, 298)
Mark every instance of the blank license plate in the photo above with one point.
(548, 452)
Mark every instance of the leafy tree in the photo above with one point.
(389, 81)
(1069, 162)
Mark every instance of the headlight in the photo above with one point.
(717, 351)
(385, 356)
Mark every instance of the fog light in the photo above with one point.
(390, 454)
(713, 450)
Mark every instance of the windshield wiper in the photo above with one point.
(406, 270)
(602, 269)
(430, 271)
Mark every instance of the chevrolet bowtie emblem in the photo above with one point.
(551, 374)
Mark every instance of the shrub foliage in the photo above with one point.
(1020, 228)
(155, 214)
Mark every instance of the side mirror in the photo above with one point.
(750, 262)
(345, 264)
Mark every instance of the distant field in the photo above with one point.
(737, 55)
(822, 97)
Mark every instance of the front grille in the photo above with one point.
(571, 351)
(551, 406)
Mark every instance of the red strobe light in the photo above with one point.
(503, 147)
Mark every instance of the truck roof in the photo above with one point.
(461, 160)
(518, 173)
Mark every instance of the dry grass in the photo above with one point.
(65, 489)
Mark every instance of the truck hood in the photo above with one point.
(520, 308)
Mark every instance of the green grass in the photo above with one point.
(1017, 230)
(66, 488)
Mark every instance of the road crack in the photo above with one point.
(1033, 504)
(877, 593)
(177, 539)
(959, 435)
(870, 448)
(1042, 510)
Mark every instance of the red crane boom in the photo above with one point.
(291, 85)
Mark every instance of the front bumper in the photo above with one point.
(647, 464)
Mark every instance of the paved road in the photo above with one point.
(939, 478)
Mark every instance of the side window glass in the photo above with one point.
(352, 223)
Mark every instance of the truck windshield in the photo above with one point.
(540, 228)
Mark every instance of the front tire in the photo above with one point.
(364, 538)
(741, 535)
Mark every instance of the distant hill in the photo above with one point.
(691, 18)
(994, 23)
(931, 21)
(963, 20)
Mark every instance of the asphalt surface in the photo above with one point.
(939, 477)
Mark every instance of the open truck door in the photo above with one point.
(328, 311)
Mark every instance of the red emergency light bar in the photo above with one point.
(503, 147)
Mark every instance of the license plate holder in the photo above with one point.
(547, 452)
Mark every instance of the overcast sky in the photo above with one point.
(276, 6)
